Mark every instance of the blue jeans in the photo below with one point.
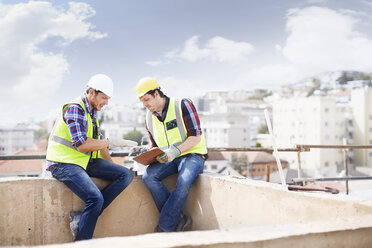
(78, 181)
(170, 205)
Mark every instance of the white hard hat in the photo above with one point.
(102, 83)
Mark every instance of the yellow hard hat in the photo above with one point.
(145, 85)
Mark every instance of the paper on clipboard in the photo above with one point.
(148, 157)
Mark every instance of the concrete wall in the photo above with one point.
(35, 211)
(347, 232)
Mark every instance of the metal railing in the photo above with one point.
(124, 154)
(345, 149)
(299, 148)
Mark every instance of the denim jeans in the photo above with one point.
(170, 204)
(78, 181)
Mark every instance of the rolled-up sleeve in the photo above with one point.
(190, 118)
(76, 122)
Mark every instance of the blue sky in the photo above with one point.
(49, 49)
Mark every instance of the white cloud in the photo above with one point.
(217, 49)
(28, 75)
(369, 3)
(317, 1)
(183, 88)
(269, 75)
(321, 39)
(154, 62)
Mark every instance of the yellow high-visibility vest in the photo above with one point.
(172, 130)
(60, 148)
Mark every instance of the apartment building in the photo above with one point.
(361, 100)
(229, 119)
(16, 139)
(120, 119)
(225, 130)
(315, 121)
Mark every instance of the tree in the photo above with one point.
(135, 136)
(311, 91)
(260, 94)
(41, 133)
(344, 78)
(263, 129)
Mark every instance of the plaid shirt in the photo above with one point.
(77, 124)
(189, 115)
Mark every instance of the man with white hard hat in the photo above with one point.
(77, 151)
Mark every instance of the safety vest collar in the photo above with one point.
(179, 119)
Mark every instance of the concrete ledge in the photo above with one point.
(356, 233)
(35, 212)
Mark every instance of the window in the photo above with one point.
(351, 135)
(326, 110)
(326, 123)
(214, 167)
(326, 164)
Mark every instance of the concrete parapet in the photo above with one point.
(35, 212)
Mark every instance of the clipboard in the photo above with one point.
(148, 157)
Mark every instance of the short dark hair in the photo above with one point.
(95, 91)
(152, 92)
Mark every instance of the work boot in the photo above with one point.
(184, 223)
(158, 229)
(74, 222)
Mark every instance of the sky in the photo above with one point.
(50, 49)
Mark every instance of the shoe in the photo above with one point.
(74, 222)
(158, 229)
(184, 223)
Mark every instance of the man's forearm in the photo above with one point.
(105, 154)
(91, 145)
(189, 143)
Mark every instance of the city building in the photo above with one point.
(361, 100)
(14, 139)
(119, 119)
(29, 168)
(231, 119)
(313, 121)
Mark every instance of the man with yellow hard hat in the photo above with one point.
(173, 125)
(76, 152)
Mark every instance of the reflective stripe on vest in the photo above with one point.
(67, 143)
(60, 148)
(172, 130)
